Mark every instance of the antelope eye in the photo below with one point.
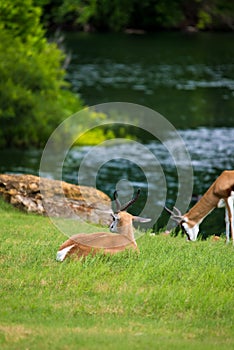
(115, 217)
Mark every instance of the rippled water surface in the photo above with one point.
(187, 78)
(211, 150)
(147, 78)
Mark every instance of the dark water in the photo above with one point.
(189, 79)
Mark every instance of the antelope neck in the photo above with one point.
(203, 207)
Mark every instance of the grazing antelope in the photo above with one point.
(83, 244)
(220, 193)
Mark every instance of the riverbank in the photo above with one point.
(173, 295)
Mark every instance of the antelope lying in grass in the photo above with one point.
(82, 244)
(220, 193)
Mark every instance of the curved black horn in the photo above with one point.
(127, 205)
(117, 202)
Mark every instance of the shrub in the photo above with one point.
(34, 96)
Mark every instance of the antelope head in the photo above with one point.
(121, 218)
(191, 229)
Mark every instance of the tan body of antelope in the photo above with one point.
(120, 238)
(220, 193)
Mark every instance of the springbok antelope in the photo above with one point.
(83, 244)
(220, 193)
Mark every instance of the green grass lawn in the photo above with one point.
(173, 295)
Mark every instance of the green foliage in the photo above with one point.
(117, 11)
(116, 15)
(204, 19)
(173, 295)
(33, 92)
(94, 137)
(172, 18)
(77, 12)
(22, 19)
(222, 12)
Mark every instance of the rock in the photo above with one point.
(190, 29)
(55, 198)
(134, 31)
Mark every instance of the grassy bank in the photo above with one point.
(174, 295)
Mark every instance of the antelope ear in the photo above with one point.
(140, 219)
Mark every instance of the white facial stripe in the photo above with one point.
(191, 231)
(113, 225)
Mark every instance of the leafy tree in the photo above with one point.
(169, 18)
(116, 15)
(216, 14)
(22, 19)
(33, 92)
